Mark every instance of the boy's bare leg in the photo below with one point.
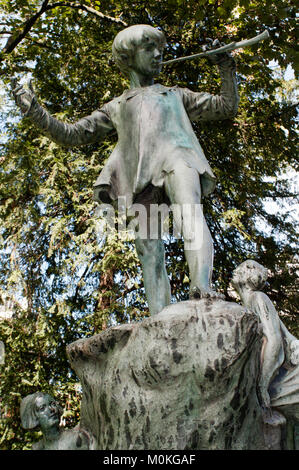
(156, 283)
(200, 259)
(183, 188)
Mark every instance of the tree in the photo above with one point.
(70, 283)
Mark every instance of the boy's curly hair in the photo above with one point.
(251, 274)
(127, 40)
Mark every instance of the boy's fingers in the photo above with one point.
(19, 88)
(16, 87)
(31, 86)
(19, 92)
(14, 82)
(216, 43)
(207, 45)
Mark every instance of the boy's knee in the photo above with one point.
(149, 250)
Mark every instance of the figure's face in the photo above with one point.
(249, 274)
(148, 58)
(47, 412)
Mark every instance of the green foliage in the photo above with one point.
(74, 285)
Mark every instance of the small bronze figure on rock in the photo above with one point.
(40, 410)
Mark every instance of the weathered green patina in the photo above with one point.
(157, 150)
(40, 410)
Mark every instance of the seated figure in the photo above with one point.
(41, 410)
(279, 378)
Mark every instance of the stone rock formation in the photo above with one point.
(185, 378)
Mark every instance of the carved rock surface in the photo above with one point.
(182, 379)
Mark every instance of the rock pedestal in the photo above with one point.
(183, 379)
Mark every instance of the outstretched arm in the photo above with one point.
(87, 130)
(207, 107)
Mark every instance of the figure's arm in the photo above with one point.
(85, 131)
(207, 107)
(272, 354)
(291, 346)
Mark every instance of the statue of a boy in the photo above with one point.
(158, 157)
(279, 377)
(40, 410)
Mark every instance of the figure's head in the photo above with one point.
(250, 275)
(40, 409)
(140, 48)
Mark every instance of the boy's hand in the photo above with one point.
(23, 97)
(217, 59)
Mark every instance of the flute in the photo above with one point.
(228, 48)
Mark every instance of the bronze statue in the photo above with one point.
(158, 157)
(279, 377)
(41, 410)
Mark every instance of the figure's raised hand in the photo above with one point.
(23, 97)
(217, 59)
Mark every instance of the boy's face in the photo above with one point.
(47, 411)
(148, 58)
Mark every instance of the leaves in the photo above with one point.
(65, 282)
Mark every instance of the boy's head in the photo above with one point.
(249, 274)
(139, 40)
(40, 409)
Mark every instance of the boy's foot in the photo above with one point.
(197, 293)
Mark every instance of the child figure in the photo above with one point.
(40, 410)
(158, 157)
(280, 347)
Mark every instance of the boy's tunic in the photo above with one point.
(154, 134)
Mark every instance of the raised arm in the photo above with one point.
(87, 130)
(207, 107)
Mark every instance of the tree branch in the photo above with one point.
(15, 39)
(41, 44)
(91, 10)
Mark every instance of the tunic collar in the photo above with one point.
(156, 88)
